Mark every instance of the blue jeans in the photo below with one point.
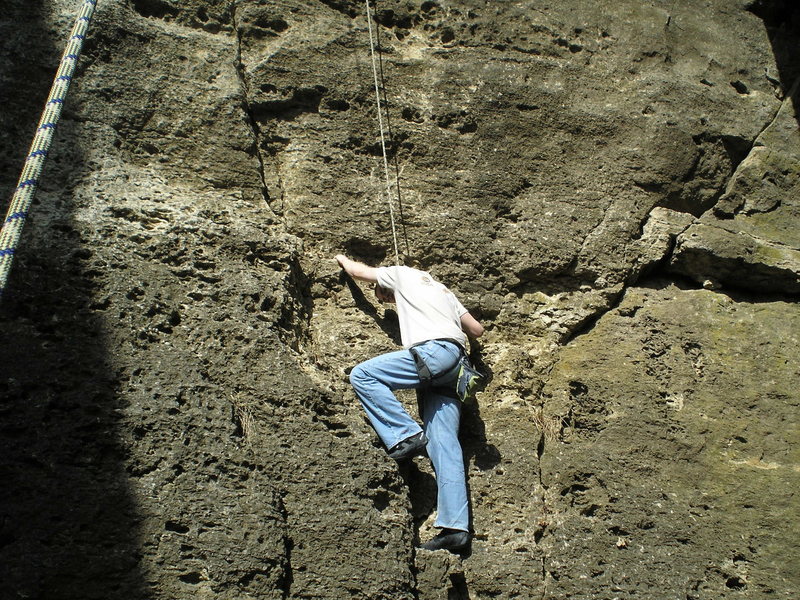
(375, 379)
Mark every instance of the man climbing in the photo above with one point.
(433, 324)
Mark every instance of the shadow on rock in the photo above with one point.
(473, 430)
(782, 22)
(68, 523)
(388, 323)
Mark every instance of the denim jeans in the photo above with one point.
(375, 379)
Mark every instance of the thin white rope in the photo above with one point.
(383, 140)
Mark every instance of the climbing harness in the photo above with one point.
(372, 44)
(461, 381)
(29, 179)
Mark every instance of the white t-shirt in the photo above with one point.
(427, 309)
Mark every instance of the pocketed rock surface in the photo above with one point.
(610, 187)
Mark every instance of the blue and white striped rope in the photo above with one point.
(29, 179)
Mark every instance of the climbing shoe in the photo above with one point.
(409, 447)
(448, 539)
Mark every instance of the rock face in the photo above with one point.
(613, 188)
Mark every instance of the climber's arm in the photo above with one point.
(471, 326)
(357, 270)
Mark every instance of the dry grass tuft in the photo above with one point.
(551, 426)
(243, 417)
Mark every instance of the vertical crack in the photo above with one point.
(248, 110)
(543, 523)
(288, 573)
(550, 429)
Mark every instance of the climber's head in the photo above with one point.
(384, 294)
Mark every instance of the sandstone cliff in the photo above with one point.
(613, 188)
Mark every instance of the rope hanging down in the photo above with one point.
(29, 179)
(372, 44)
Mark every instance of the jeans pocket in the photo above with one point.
(439, 357)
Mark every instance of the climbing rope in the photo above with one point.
(397, 169)
(383, 139)
(29, 179)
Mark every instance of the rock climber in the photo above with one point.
(433, 324)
